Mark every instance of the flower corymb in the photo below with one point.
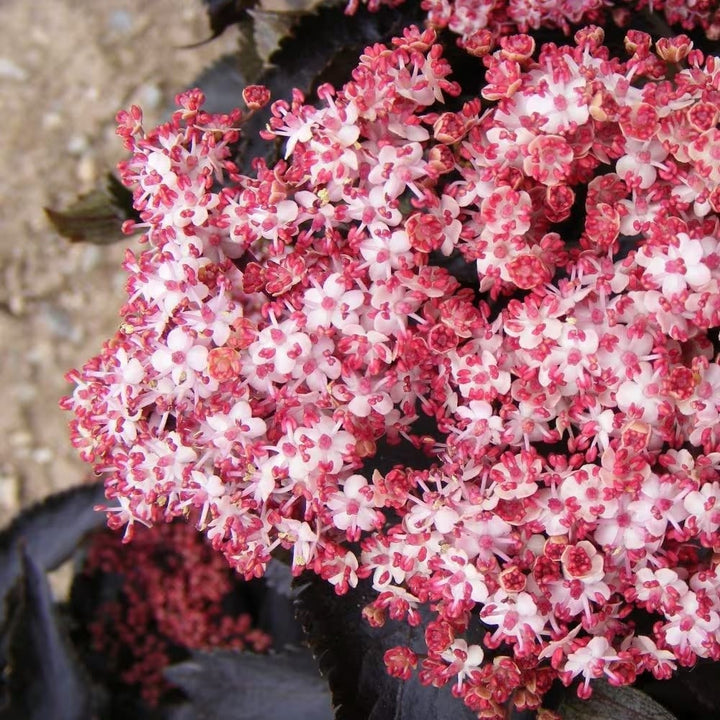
(520, 289)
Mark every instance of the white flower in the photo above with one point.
(282, 346)
(182, 359)
(590, 661)
(675, 266)
(333, 304)
(352, 507)
(397, 167)
(692, 628)
(463, 659)
(237, 425)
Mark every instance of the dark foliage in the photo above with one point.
(49, 532)
(613, 703)
(690, 694)
(44, 679)
(224, 13)
(350, 653)
(222, 83)
(97, 216)
(241, 686)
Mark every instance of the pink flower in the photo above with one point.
(321, 443)
(518, 618)
(353, 508)
(396, 168)
(463, 659)
(237, 425)
(548, 158)
(703, 507)
(332, 305)
(692, 627)
(281, 346)
(181, 364)
(590, 661)
(675, 266)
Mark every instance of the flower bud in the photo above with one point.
(674, 49)
(256, 96)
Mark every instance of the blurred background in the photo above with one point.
(66, 68)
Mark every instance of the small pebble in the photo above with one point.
(25, 392)
(42, 455)
(59, 322)
(150, 96)
(11, 70)
(91, 256)
(52, 120)
(77, 144)
(120, 21)
(20, 439)
(86, 169)
(8, 492)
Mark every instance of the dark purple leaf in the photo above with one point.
(224, 13)
(242, 686)
(350, 654)
(45, 682)
(613, 703)
(96, 217)
(277, 612)
(691, 693)
(222, 84)
(50, 532)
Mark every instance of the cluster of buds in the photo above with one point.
(538, 280)
(171, 599)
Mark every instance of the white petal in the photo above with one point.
(161, 360)
(197, 357)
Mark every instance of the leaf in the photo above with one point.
(250, 62)
(44, 679)
(613, 703)
(277, 613)
(691, 693)
(50, 531)
(350, 653)
(263, 24)
(299, 7)
(242, 686)
(224, 13)
(269, 30)
(222, 83)
(274, 21)
(305, 59)
(96, 217)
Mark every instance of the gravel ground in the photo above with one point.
(66, 68)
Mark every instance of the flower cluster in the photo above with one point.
(538, 280)
(479, 23)
(171, 599)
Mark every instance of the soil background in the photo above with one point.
(66, 68)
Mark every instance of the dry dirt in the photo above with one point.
(66, 68)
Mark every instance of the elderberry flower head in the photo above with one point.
(536, 282)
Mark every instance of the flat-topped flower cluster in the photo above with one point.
(536, 273)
